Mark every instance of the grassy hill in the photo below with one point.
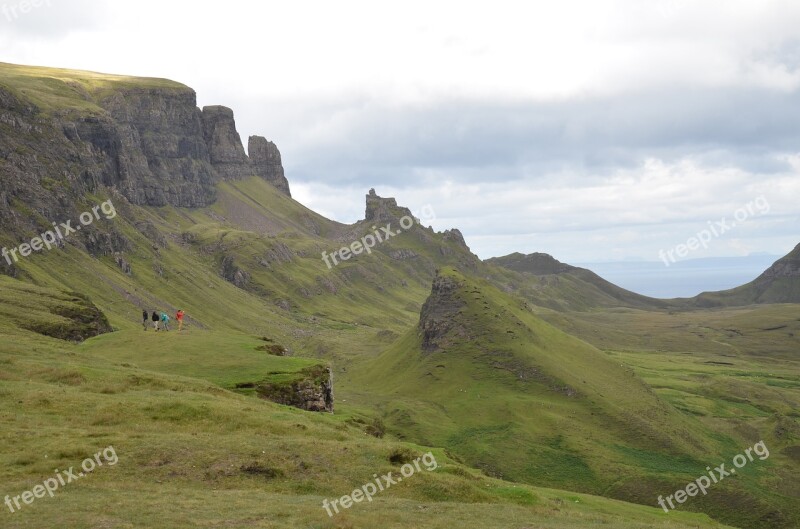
(510, 394)
(514, 398)
(780, 283)
(192, 453)
(547, 282)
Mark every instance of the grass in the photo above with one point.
(522, 400)
(188, 448)
(532, 413)
(60, 90)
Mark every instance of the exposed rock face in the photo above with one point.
(403, 254)
(312, 390)
(788, 266)
(232, 273)
(278, 253)
(266, 160)
(438, 319)
(152, 146)
(224, 143)
(123, 265)
(381, 209)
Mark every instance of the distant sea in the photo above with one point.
(685, 278)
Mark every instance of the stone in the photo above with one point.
(266, 161)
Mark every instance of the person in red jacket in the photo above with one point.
(179, 317)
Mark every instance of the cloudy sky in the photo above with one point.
(591, 130)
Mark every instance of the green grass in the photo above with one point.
(186, 447)
(60, 90)
(519, 401)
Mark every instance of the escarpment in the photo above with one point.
(149, 144)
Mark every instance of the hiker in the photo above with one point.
(165, 320)
(156, 319)
(179, 317)
(145, 319)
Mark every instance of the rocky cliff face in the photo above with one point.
(438, 321)
(225, 149)
(266, 162)
(151, 145)
(381, 209)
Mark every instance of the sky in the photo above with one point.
(590, 130)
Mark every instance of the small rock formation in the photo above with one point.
(278, 253)
(122, 264)
(149, 230)
(312, 390)
(403, 254)
(80, 319)
(266, 161)
(233, 274)
(455, 236)
(384, 210)
(438, 320)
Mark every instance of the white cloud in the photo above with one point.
(579, 127)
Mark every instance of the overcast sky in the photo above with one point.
(590, 130)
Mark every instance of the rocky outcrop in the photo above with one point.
(438, 320)
(277, 254)
(225, 149)
(123, 264)
(311, 390)
(58, 314)
(788, 266)
(381, 209)
(233, 274)
(266, 161)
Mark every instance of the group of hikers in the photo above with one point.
(162, 318)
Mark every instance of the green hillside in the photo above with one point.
(224, 458)
(547, 282)
(780, 283)
(546, 394)
(522, 400)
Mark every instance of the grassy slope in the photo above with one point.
(184, 444)
(616, 437)
(62, 90)
(769, 287)
(549, 283)
(79, 398)
(736, 370)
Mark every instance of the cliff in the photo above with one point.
(65, 134)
